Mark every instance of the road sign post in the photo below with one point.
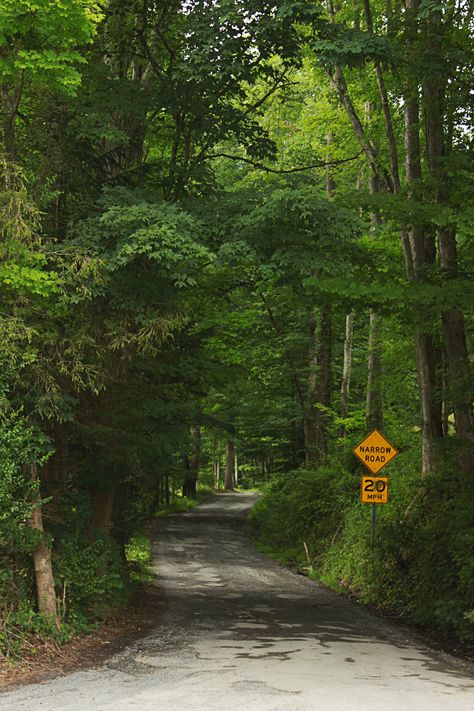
(374, 526)
(375, 452)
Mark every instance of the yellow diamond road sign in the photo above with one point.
(375, 452)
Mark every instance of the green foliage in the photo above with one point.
(88, 567)
(24, 631)
(299, 507)
(91, 573)
(181, 504)
(43, 36)
(19, 443)
(138, 553)
(184, 205)
(422, 566)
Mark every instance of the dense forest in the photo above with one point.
(236, 236)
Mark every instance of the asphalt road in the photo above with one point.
(241, 633)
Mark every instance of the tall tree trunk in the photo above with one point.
(421, 253)
(324, 388)
(319, 390)
(195, 462)
(102, 509)
(229, 466)
(236, 470)
(167, 489)
(346, 370)
(216, 472)
(452, 319)
(374, 403)
(44, 580)
(413, 239)
(309, 420)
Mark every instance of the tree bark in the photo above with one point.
(324, 389)
(452, 319)
(309, 420)
(102, 509)
(374, 403)
(387, 114)
(216, 472)
(195, 462)
(44, 580)
(236, 470)
(167, 489)
(229, 466)
(346, 370)
(421, 254)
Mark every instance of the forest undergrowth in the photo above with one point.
(420, 569)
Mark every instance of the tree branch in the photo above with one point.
(267, 95)
(267, 169)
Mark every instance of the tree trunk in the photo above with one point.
(167, 489)
(310, 442)
(315, 421)
(324, 388)
(229, 466)
(195, 462)
(44, 580)
(374, 403)
(309, 420)
(459, 385)
(236, 470)
(102, 508)
(420, 253)
(217, 473)
(346, 370)
(452, 319)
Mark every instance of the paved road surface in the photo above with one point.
(241, 633)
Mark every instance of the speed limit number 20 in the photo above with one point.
(374, 490)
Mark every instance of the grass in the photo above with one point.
(180, 504)
(138, 554)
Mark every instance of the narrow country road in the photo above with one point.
(241, 633)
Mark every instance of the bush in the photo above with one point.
(422, 566)
(301, 507)
(88, 565)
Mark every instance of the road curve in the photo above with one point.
(241, 633)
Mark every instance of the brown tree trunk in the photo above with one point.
(310, 442)
(459, 383)
(374, 403)
(44, 580)
(309, 420)
(167, 489)
(346, 370)
(318, 399)
(413, 241)
(452, 319)
(324, 388)
(421, 254)
(229, 466)
(102, 508)
(195, 463)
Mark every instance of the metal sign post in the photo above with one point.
(374, 452)
(374, 526)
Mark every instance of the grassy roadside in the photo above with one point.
(421, 570)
